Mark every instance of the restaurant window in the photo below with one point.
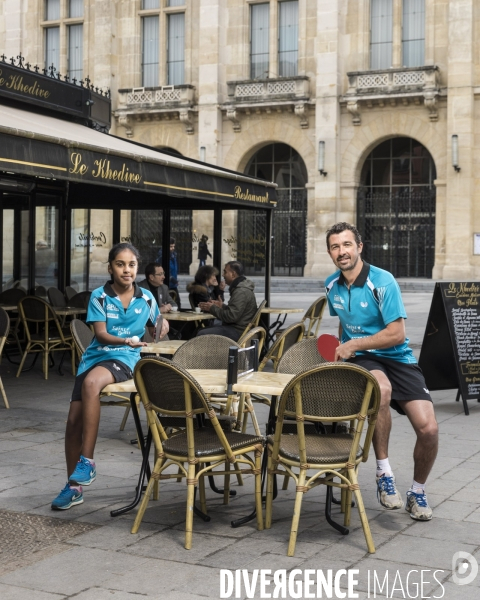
(52, 10)
(413, 33)
(259, 40)
(176, 49)
(287, 38)
(381, 34)
(52, 47)
(163, 42)
(90, 243)
(7, 248)
(64, 39)
(75, 52)
(150, 51)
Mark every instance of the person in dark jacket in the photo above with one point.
(241, 307)
(203, 251)
(154, 278)
(205, 286)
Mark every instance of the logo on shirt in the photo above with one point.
(336, 305)
(112, 307)
(121, 330)
(112, 316)
(138, 311)
(364, 304)
(426, 391)
(338, 298)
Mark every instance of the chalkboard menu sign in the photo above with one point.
(450, 356)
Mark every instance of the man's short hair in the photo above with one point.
(172, 241)
(150, 269)
(342, 226)
(235, 266)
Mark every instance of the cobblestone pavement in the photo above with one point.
(84, 554)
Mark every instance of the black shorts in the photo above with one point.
(118, 369)
(406, 379)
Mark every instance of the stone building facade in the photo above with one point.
(371, 107)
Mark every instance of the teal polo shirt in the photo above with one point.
(105, 306)
(372, 302)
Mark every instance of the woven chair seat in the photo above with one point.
(321, 449)
(40, 337)
(208, 444)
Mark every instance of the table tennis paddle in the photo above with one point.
(326, 346)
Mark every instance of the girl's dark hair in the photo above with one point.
(112, 255)
(204, 273)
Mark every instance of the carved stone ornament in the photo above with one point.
(301, 110)
(185, 118)
(124, 121)
(353, 108)
(232, 116)
(431, 103)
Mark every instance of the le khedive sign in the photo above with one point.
(34, 157)
(450, 356)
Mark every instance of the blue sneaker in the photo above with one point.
(417, 506)
(67, 497)
(84, 474)
(387, 493)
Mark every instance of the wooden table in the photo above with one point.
(279, 322)
(69, 311)
(181, 319)
(166, 347)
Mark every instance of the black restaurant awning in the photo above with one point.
(41, 145)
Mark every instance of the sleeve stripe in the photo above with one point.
(98, 305)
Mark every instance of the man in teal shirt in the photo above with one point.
(368, 302)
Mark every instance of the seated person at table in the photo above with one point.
(118, 311)
(205, 286)
(154, 278)
(241, 307)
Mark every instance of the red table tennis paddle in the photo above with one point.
(326, 345)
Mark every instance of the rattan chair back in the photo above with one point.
(167, 390)
(174, 296)
(70, 292)
(38, 314)
(82, 335)
(204, 352)
(257, 333)
(192, 303)
(56, 298)
(12, 296)
(313, 317)
(289, 336)
(255, 319)
(80, 300)
(326, 393)
(302, 355)
(4, 330)
(41, 291)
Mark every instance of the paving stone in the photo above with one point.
(12, 592)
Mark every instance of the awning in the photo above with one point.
(40, 145)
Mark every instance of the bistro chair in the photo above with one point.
(11, 297)
(313, 317)
(257, 333)
(70, 292)
(167, 389)
(56, 298)
(300, 356)
(192, 303)
(326, 393)
(255, 319)
(4, 330)
(82, 336)
(289, 336)
(50, 338)
(41, 291)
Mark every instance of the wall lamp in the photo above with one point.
(455, 153)
(321, 159)
(202, 153)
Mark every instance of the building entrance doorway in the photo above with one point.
(396, 208)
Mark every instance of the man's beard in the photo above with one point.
(349, 267)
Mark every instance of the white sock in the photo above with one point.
(76, 487)
(383, 467)
(90, 460)
(418, 488)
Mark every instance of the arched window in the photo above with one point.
(283, 165)
(396, 208)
